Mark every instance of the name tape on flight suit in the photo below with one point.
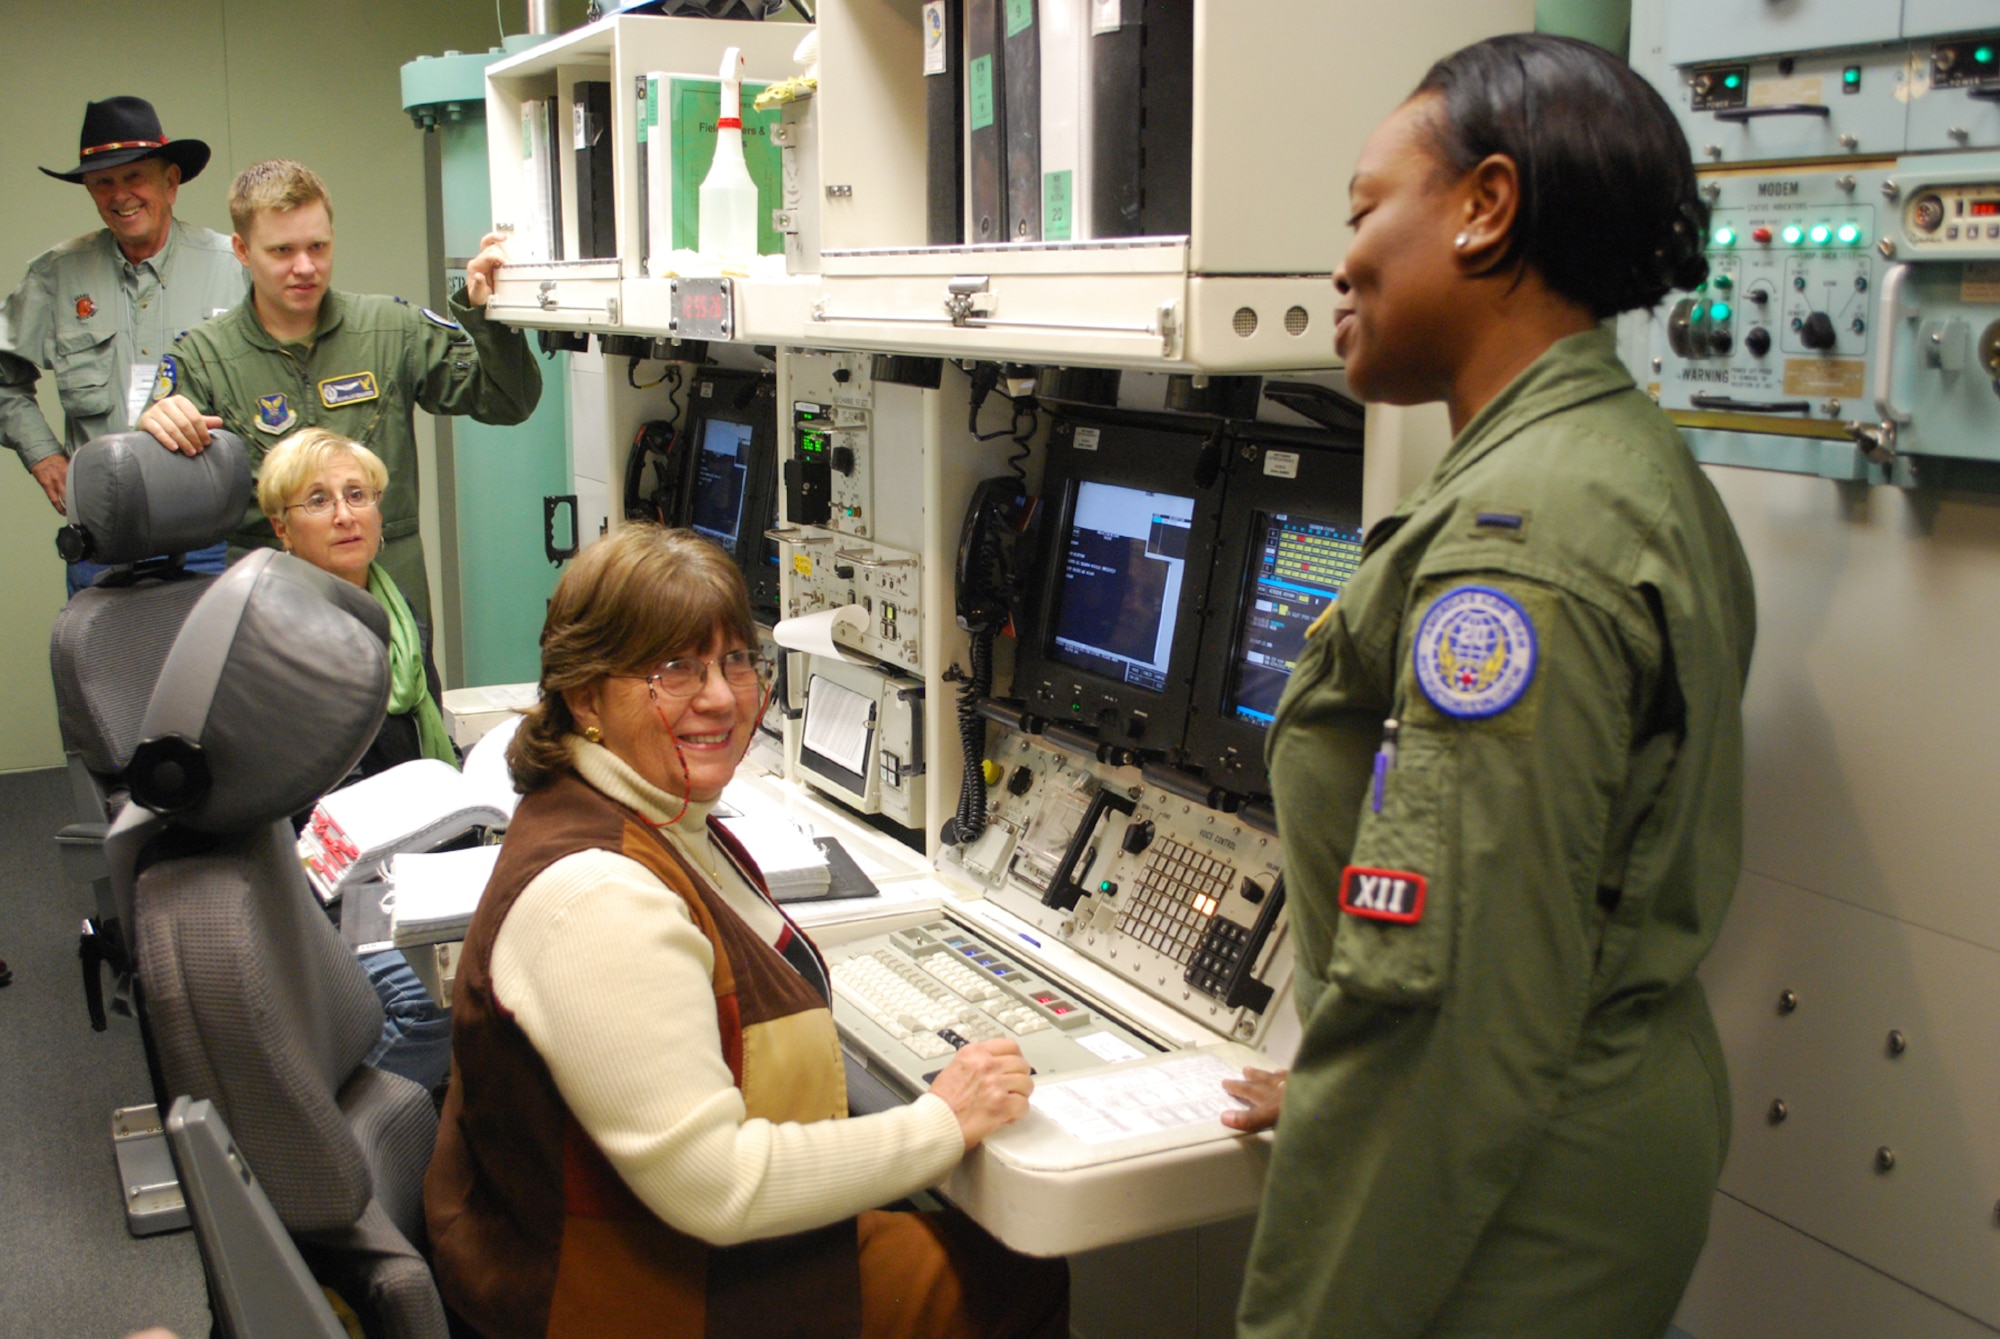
(1393, 895)
(353, 388)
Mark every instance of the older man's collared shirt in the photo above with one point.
(102, 324)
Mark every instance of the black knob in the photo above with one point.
(843, 460)
(1818, 332)
(842, 375)
(1720, 341)
(1758, 341)
(1138, 836)
(1022, 778)
(1253, 892)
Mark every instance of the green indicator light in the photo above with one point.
(1725, 236)
(1983, 54)
(1851, 75)
(1104, 887)
(1718, 311)
(1792, 234)
(1820, 234)
(1732, 81)
(1724, 281)
(1849, 234)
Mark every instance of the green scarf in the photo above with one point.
(407, 688)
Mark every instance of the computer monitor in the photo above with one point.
(1290, 540)
(729, 491)
(1119, 565)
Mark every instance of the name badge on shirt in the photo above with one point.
(139, 390)
(354, 388)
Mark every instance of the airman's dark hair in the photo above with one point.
(1610, 216)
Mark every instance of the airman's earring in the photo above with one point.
(593, 734)
(1462, 241)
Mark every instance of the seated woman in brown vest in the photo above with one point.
(646, 1130)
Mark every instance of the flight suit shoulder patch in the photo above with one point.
(1475, 652)
(1392, 895)
(169, 378)
(275, 414)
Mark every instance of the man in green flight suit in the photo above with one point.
(297, 354)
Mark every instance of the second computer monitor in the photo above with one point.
(1290, 540)
(1121, 559)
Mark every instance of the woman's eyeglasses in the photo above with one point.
(683, 678)
(319, 502)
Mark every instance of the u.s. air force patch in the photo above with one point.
(1475, 652)
(168, 380)
(275, 413)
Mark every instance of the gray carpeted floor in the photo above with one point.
(69, 1268)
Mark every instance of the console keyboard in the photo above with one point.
(1178, 894)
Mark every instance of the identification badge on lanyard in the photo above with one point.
(138, 390)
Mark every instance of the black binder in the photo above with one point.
(944, 122)
(596, 215)
(1021, 113)
(1142, 121)
(985, 124)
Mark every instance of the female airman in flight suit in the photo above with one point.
(1508, 767)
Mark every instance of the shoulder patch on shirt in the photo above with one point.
(170, 375)
(1474, 652)
(275, 413)
(1393, 895)
(353, 388)
(435, 319)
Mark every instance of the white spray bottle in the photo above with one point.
(728, 230)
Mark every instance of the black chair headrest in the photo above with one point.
(131, 498)
(273, 691)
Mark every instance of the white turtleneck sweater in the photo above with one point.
(606, 972)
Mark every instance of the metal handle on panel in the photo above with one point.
(1888, 316)
(557, 554)
(860, 559)
(1740, 114)
(1704, 400)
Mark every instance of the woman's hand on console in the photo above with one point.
(987, 1086)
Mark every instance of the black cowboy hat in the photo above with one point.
(117, 131)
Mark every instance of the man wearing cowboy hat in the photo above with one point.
(101, 310)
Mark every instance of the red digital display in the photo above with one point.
(1984, 209)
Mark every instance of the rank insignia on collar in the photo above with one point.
(167, 380)
(1474, 652)
(85, 308)
(275, 413)
(1392, 895)
(354, 388)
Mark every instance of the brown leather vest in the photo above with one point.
(533, 1233)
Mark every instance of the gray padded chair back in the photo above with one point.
(131, 499)
(273, 690)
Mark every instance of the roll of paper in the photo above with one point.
(815, 634)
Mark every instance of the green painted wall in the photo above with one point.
(256, 79)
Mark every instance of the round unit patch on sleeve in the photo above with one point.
(1475, 652)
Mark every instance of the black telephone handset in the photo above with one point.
(987, 584)
(654, 444)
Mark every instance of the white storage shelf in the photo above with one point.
(602, 293)
(1280, 111)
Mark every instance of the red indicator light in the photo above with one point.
(1760, 234)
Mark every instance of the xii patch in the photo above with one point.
(1392, 895)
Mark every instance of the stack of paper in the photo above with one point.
(417, 806)
(435, 894)
(793, 867)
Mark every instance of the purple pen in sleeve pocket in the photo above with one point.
(1385, 758)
